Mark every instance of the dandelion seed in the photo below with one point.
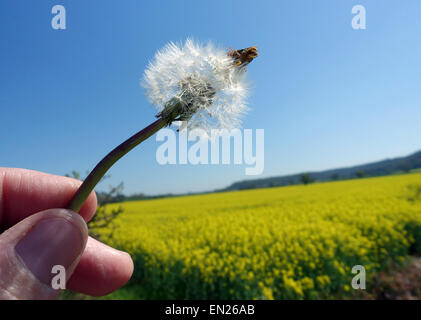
(203, 85)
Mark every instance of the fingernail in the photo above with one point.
(51, 242)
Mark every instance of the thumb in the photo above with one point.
(30, 249)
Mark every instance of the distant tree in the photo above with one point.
(334, 176)
(74, 174)
(104, 217)
(361, 174)
(306, 178)
(405, 167)
(137, 196)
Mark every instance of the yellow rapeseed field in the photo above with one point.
(278, 243)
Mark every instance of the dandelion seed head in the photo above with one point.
(212, 91)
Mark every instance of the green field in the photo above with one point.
(297, 242)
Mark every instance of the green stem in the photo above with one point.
(102, 167)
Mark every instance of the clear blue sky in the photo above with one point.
(326, 95)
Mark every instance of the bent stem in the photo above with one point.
(106, 163)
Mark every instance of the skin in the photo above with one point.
(28, 197)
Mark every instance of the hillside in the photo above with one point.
(380, 168)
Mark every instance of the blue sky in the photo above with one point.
(326, 95)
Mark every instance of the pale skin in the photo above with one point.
(30, 213)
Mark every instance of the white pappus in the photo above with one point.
(204, 78)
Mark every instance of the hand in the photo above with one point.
(38, 236)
